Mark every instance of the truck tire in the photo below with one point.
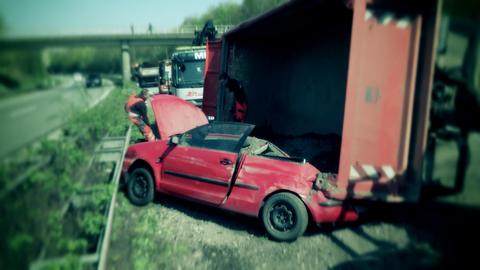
(284, 217)
(140, 187)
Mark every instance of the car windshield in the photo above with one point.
(226, 136)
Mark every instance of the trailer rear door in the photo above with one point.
(379, 102)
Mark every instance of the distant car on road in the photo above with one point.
(217, 163)
(77, 77)
(93, 80)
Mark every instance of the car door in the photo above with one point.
(202, 164)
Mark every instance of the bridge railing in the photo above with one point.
(108, 37)
(192, 28)
(189, 29)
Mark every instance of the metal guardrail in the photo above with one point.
(105, 245)
(110, 149)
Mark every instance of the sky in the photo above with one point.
(69, 17)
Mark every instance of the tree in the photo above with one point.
(87, 59)
(231, 13)
(3, 28)
(251, 8)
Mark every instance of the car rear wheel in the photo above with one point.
(284, 217)
(140, 188)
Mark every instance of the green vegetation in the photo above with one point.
(85, 60)
(231, 13)
(59, 209)
(2, 27)
(139, 242)
(21, 71)
(151, 54)
(101, 60)
(224, 13)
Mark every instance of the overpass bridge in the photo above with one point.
(179, 37)
(157, 39)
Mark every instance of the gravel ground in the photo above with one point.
(177, 234)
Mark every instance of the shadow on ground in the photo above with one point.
(441, 236)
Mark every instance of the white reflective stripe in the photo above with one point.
(403, 23)
(386, 18)
(353, 173)
(368, 15)
(132, 114)
(370, 171)
(389, 172)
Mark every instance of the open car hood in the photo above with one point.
(175, 115)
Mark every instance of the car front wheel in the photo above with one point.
(284, 217)
(140, 187)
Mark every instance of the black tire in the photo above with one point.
(140, 187)
(284, 217)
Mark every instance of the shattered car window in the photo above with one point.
(217, 135)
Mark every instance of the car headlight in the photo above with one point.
(323, 182)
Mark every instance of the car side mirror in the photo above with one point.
(174, 139)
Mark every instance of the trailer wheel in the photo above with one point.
(140, 187)
(284, 217)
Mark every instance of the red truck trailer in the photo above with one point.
(360, 70)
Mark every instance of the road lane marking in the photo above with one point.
(105, 94)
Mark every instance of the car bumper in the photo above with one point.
(326, 210)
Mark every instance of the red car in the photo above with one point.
(218, 164)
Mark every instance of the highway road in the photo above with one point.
(26, 118)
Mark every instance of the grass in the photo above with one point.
(139, 242)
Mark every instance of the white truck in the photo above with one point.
(188, 64)
(148, 77)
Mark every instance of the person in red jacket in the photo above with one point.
(137, 114)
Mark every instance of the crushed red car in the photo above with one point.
(219, 164)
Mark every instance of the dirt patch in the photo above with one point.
(177, 234)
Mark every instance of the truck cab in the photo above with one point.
(148, 77)
(188, 65)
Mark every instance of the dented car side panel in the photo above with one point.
(260, 176)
